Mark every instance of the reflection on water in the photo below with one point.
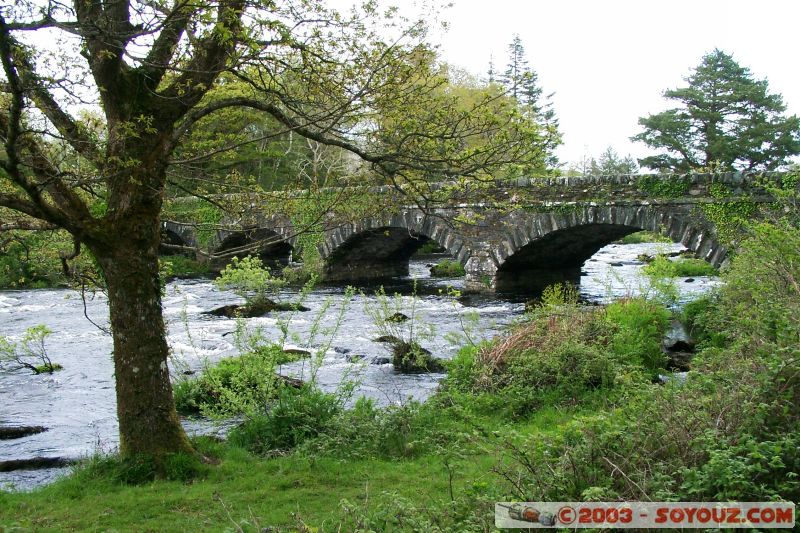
(78, 405)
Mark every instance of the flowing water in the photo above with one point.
(77, 403)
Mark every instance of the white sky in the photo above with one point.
(608, 61)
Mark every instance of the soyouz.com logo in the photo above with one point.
(654, 515)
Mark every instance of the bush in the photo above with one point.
(249, 279)
(392, 432)
(30, 353)
(32, 259)
(559, 356)
(182, 267)
(698, 316)
(296, 416)
(234, 385)
(637, 328)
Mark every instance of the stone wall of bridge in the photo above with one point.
(537, 232)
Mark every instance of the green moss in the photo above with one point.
(665, 187)
(729, 217)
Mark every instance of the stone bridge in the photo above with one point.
(545, 237)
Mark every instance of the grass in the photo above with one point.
(448, 268)
(681, 268)
(642, 237)
(252, 493)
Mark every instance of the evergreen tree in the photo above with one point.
(726, 118)
(522, 84)
(610, 163)
(516, 70)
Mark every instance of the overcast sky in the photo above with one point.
(608, 61)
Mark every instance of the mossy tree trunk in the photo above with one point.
(148, 422)
(128, 258)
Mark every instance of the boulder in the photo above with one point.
(17, 432)
(381, 360)
(297, 351)
(388, 339)
(254, 308)
(677, 339)
(397, 317)
(411, 358)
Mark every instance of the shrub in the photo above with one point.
(33, 259)
(249, 279)
(182, 267)
(698, 315)
(681, 268)
(234, 385)
(30, 353)
(729, 432)
(392, 432)
(637, 328)
(559, 356)
(296, 416)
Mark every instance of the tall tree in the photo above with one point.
(522, 84)
(491, 73)
(516, 70)
(148, 67)
(726, 118)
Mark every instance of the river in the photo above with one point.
(77, 403)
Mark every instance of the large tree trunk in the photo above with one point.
(148, 422)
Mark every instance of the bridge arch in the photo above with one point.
(381, 247)
(549, 247)
(177, 239)
(268, 244)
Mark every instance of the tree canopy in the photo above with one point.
(726, 118)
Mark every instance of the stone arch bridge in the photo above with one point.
(543, 239)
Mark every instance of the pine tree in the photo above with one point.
(610, 163)
(726, 118)
(522, 84)
(516, 70)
